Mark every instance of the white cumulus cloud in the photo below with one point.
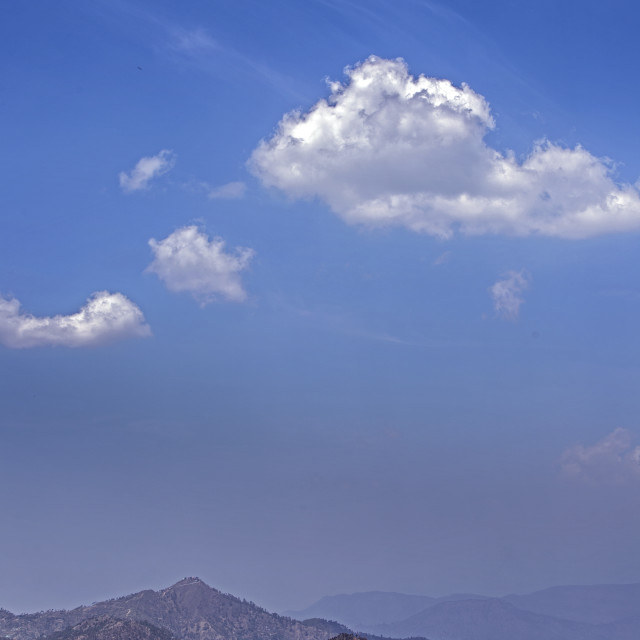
(145, 170)
(390, 148)
(612, 460)
(507, 294)
(188, 261)
(105, 317)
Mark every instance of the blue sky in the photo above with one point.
(384, 342)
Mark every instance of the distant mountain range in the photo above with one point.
(189, 610)
(602, 612)
(365, 610)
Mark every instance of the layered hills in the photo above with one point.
(364, 610)
(601, 612)
(493, 619)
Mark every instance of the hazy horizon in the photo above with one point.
(284, 610)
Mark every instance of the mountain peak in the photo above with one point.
(190, 581)
(188, 609)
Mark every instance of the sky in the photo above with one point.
(307, 298)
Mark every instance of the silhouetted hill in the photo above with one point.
(627, 629)
(491, 619)
(595, 604)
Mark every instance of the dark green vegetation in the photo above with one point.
(108, 628)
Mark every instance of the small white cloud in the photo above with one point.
(105, 317)
(507, 294)
(147, 169)
(388, 148)
(188, 261)
(229, 191)
(613, 460)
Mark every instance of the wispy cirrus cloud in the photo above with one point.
(443, 258)
(507, 294)
(388, 148)
(229, 191)
(235, 190)
(106, 317)
(192, 41)
(613, 460)
(147, 169)
(188, 261)
(212, 55)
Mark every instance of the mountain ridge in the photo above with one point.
(192, 610)
(189, 609)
